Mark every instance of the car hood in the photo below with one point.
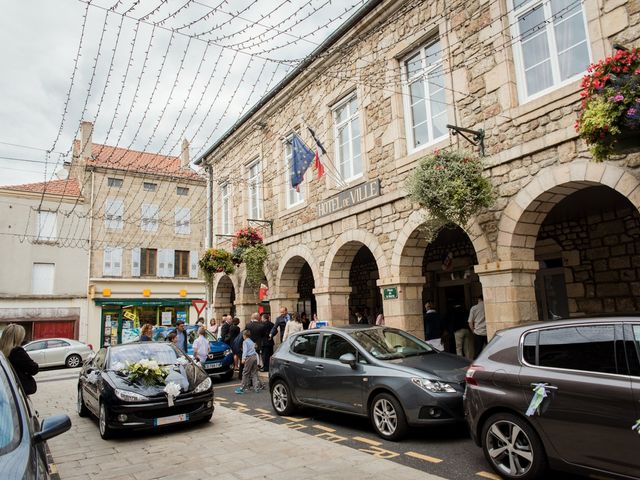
(188, 377)
(218, 346)
(444, 366)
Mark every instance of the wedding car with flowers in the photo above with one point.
(143, 385)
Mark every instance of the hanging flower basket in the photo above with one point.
(216, 260)
(254, 258)
(451, 187)
(609, 120)
(245, 239)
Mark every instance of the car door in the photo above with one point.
(91, 380)
(632, 344)
(36, 351)
(586, 415)
(300, 366)
(56, 352)
(338, 385)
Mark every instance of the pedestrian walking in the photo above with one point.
(294, 325)
(250, 363)
(267, 342)
(23, 365)
(146, 332)
(432, 326)
(280, 323)
(201, 346)
(478, 325)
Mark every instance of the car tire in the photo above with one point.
(227, 376)
(73, 361)
(281, 399)
(509, 442)
(81, 408)
(106, 432)
(387, 417)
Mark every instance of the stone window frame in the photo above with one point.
(258, 198)
(149, 217)
(288, 190)
(182, 216)
(226, 201)
(114, 214)
(357, 117)
(47, 227)
(430, 40)
(527, 6)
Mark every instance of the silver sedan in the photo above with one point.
(58, 351)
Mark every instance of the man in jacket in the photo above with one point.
(256, 329)
(267, 342)
(224, 328)
(281, 322)
(182, 335)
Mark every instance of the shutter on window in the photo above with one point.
(116, 259)
(135, 262)
(161, 263)
(193, 264)
(170, 258)
(106, 262)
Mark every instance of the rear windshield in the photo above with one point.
(9, 419)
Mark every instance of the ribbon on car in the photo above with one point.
(636, 427)
(172, 390)
(539, 394)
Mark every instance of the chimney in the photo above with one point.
(184, 154)
(86, 142)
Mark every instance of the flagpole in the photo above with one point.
(333, 175)
(330, 165)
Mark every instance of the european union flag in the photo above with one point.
(300, 160)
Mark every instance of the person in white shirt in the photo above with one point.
(294, 325)
(478, 325)
(201, 347)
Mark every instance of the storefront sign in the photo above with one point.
(129, 315)
(390, 293)
(350, 197)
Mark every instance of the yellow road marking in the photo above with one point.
(426, 458)
(332, 437)
(295, 419)
(261, 410)
(326, 429)
(220, 398)
(295, 426)
(367, 441)
(53, 469)
(240, 403)
(264, 416)
(379, 452)
(488, 475)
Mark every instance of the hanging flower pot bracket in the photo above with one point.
(477, 139)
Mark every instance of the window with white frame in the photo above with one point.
(112, 262)
(255, 190)
(346, 121)
(424, 96)
(47, 226)
(183, 221)
(42, 278)
(225, 214)
(150, 217)
(113, 213)
(294, 197)
(551, 44)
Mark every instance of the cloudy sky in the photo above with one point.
(147, 72)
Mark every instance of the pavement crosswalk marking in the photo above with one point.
(367, 441)
(326, 429)
(488, 475)
(420, 456)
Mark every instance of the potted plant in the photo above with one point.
(450, 186)
(216, 260)
(609, 119)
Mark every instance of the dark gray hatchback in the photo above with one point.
(387, 374)
(588, 420)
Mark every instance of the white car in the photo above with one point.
(58, 351)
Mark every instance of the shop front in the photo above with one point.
(121, 319)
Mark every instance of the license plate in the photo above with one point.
(183, 417)
(213, 365)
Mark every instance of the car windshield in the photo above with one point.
(387, 344)
(9, 421)
(163, 353)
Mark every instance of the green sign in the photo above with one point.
(390, 293)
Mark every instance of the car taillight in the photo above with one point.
(90, 346)
(469, 376)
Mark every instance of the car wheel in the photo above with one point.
(81, 408)
(512, 447)
(105, 431)
(281, 398)
(387, 417)
(73, 361)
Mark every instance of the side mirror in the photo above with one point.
(348, 359)
(52, 427)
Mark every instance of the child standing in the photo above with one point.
(250, 365)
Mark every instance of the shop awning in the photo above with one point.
(144, 302)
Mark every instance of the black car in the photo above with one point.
(22, 436)
(105, 390)
(587, 372)
(384, 373)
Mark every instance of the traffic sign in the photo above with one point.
(199, 305)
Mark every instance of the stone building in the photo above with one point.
(44, 240)
(563, 237)
(147, 222)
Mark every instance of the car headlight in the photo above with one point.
(433, 386)
(128, 396)
(203, 387)
(228, 351)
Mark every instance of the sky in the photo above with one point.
(147, 73)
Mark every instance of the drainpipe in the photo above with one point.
(89, 300)
(209, 239)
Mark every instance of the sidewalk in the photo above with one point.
(233, 446)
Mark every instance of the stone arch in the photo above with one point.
(521, 219)
(409, 248)
(225, 288)
(290, 266)
(338, 261)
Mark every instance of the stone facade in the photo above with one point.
(533, 159)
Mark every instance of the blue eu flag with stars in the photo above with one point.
(300, 160)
